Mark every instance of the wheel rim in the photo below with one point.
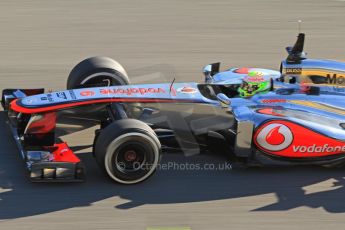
(147, 165)
(130, 157)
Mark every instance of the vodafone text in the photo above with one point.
(318, 149)
(130, 91)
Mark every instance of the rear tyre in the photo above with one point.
(128, 151)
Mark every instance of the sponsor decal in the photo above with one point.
(288, 139)
(275, 137)
(87, 93)
(131, 91)
(72, 94)
(48, 97)
(61, 95)
(254, 79)
(293, 70)
(335, 79)
(187, 89)
(273, 101)
(318, 149)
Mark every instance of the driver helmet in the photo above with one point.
(254, 83)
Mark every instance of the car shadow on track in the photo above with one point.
(21, 198)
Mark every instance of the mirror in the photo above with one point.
(207, 69)
(210, 70)
(224, 100)
(207, 73)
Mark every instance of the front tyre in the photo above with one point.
(97, 72)
(128, 151)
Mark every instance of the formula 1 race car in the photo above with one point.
(136, 122)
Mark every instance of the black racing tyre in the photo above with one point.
(97, 72)
(128, 151)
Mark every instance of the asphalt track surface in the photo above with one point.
(40, 41)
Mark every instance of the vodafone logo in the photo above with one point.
(274, 137)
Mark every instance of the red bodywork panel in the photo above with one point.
(20, 109)
(62, 153)
(45, 124)
(287, 139)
